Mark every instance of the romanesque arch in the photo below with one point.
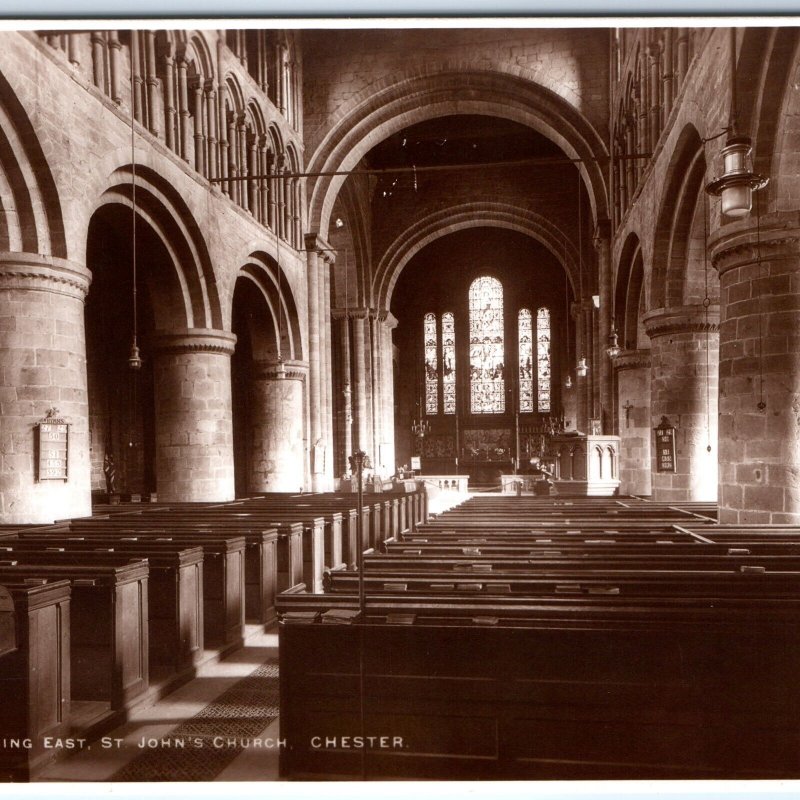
(31, 221)
(415, 99)
(449, 220)
(187, 296)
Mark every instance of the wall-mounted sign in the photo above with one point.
(665, 446)
(416, 463)
(52, 444)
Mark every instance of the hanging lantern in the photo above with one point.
(280, 370)
(613, 348)
(568, 382)
(738, 182)
(582, 368)
(134, 359)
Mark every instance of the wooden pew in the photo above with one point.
(633, 691)
(223, 572)
(35, 670)
(175, 588)
(213, 521)
(109, 661)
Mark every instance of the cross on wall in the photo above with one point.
(628, 407)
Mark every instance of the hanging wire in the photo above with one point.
(761, 402)
(134, 359)
(706, 306)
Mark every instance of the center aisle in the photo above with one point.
(211, 729)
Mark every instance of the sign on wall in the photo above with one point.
(52, 444)
(665, 446)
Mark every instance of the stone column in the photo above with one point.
(684, 344)
(376, 374)
(387, 325)
(759, 414)
(277, 461)
(314, 366)
(605, 378)
(194, 431)
(360, 375)
(347, 399)
(42, 367)
(633, 406)
(583, 386)
(326, 262)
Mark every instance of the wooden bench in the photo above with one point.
(633, 691)
(35, 684)
(223, 572)
(175, 589)
(109, 661)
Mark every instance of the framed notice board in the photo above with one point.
(52, 448)
(665, 446)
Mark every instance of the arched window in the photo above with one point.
(431, 360)
(449, 362)
(525, 333)
(543, 358)
(486, 358)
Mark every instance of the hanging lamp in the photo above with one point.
(280, 370)
(134, 357)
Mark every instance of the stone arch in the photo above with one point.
(188, 298)
(774, 126)
(771, 55)
(679, 238)
(467, 215)
(629, 297)
(262, 270)
(33, 221)
(421, 97)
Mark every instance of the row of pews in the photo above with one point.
(104, 614)
(536, 638)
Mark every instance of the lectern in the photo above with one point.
(585, 464)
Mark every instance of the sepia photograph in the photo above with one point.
(400, 400)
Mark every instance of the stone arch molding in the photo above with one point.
(262, 271)
(189, 296)
(411, 100)
(31, 220)
(467, 215)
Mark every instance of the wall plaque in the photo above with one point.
(52, 441)
(665, 446)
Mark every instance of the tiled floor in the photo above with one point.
(97, 763)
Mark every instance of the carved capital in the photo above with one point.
(34, 272)
(681, 319)
(269, 370)
(632, 359)
(195, 340)
(775, 237)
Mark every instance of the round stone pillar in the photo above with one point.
(42, 367)
(633, 405)
(759, 413)
(684, 352)
(277, 462)
(194, 431)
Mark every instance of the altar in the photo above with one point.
(585, 464)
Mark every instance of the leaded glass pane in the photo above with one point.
(431, 371)
(486, 352)
(525, 326)
(449, 363)
(543, 358)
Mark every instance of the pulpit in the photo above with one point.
(585, 464)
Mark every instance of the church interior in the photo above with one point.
(403, 402)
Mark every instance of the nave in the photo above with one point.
(508, 637)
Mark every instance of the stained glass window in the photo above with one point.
(486, 359)
(543, 358)
(525, 332)
(449, 362)
(431, 360)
